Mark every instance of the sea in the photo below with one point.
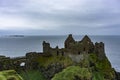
(15, 46)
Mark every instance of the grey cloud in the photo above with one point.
(89, 18)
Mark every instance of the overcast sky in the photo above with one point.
(59, 17)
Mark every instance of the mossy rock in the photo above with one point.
(74, 73)
(46, 61)
(102, 68)
(10, 75)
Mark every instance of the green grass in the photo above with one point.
(100, 71)
(32, 75)
(102, 65)
(9, 75)
(103, 68)
(73, 72)
(46, 61)
(98, 76)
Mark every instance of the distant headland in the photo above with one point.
(16, 35)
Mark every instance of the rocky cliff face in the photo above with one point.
(89, 68)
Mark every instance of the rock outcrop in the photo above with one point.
(117, 75)
(51, 70)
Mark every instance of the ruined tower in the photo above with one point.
(87, 45)
(99, 50)
(86, 39)
(46, 47)
(69, 41)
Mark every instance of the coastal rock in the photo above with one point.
(117, 75)
(51, 70)
(6, 63)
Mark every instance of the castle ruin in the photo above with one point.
(85, 46)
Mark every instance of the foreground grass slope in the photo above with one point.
(74, 73)
(9, 75)
(78, 73)
(32, 75)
